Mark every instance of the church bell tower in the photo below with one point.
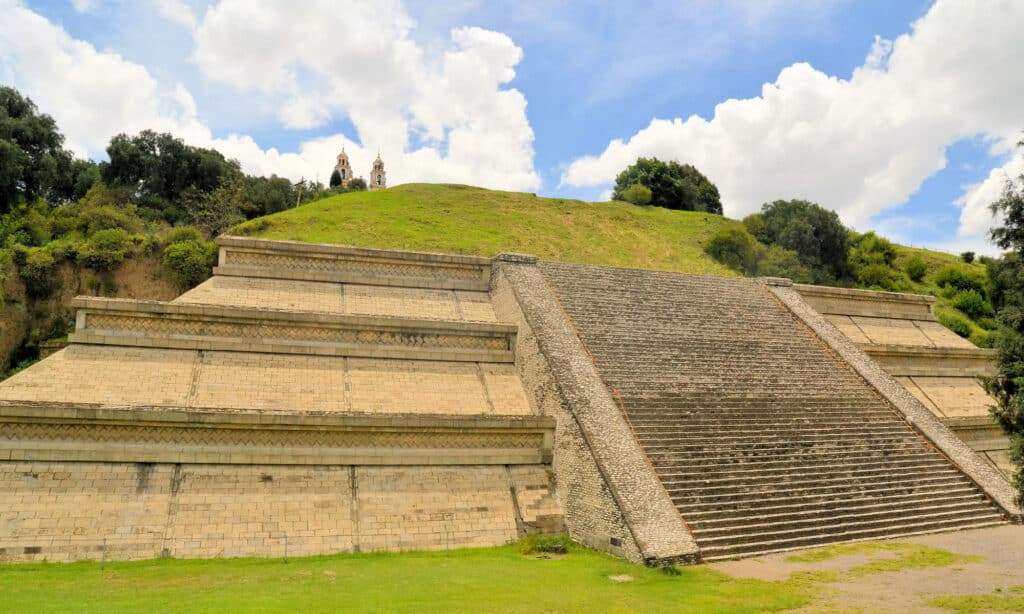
(378, 176)
(344, 168)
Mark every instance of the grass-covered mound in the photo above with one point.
(468, 220)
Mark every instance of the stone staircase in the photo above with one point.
(763, 439)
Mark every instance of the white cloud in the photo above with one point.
(471, 129)
(975, 216)
(177, 12)
(859, 145)
(84, 6)
(436, 117)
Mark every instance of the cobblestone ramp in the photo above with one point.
(763, 439)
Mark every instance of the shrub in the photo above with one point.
(637, 194)
(955, 323)
(972, 303)
(967, 257)
(984, 338)
(915, 268)
(555, 544)
(879, 275)
(37, 272)
(754, 223)
(734, 247)
(988, 323)
(188, 262)
(776, 261)
(870, 248)
(179, 234)
(105, 250)
(95, 219)
(956, 277)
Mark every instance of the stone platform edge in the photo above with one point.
(856, 302)
(137, 323)
(654, 522)
(916, 360)
(982, 473)
(242, 256)
(70, 432)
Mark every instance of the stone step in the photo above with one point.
(723, 512)
(727, 476)
(683, 434)
(785, 447)
(781, 522)
(749, 488)
(668, 460)
(717, 553)
(751, 534)
(688, 501)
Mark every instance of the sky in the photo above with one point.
(900, 115)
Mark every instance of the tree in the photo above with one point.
(813, 232)
(160, 169)
(672, 185)
(270, 194)
(335, 179)
(357, 185)
(33, 161)
(1006, 290)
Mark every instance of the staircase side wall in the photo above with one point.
(611, 498)
(919, 417)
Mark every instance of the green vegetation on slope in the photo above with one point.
(480, 580)
(468, 220)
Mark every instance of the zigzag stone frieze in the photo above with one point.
(319, 262)
(182, 325)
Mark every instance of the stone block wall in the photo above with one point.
(63, 511)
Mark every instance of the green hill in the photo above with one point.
(467, 220)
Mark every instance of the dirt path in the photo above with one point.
(990, 560)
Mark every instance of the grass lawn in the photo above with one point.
(468, 220)
(477, 580)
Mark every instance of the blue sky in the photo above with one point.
(898, 115)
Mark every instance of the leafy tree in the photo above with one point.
(734, 247)
(776, 261)
(216, 211)
(813, 232)
(189, 261)
(33, 161)
(357, 185)
(105, 250)
(159, 168)
(269, 194)
(672, 185)
(1007, 293)
(335, 179)
(637, 194)
(967, 257)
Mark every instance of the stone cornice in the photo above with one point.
(870, 303)
(240, 256)
(207, 327)
(69, 432)
(915, 360)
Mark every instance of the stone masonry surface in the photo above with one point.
(65, 511)
(655, 526)
(764, 439)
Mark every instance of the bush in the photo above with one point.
(870, 248)
(955, 323)
(776, 261)
(972, 303)
(37, 272)
(734, 247)
(915, 268)
(984, 338)
(106, 217)
(967, 257)
(754, 223)
(189, 262)
(879, 275)
(952, 276)
(637, 194)
(555, 544)
(810, 230)
(179, 234)
(105, 250)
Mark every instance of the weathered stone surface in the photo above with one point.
(764, 440)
